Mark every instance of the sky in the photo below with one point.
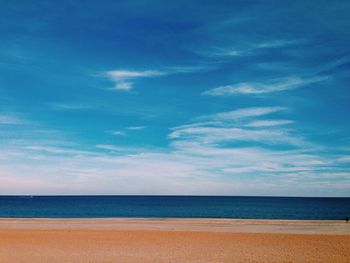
(175, 97)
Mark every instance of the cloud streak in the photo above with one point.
(136, 128)
(236, 126)
(123, 78)
(9, 119)
(256, 88)
(245, 113)
(268, 123)
(247, 49)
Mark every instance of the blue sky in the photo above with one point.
(183, 97)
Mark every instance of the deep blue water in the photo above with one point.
(174, 206)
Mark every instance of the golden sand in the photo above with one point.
(177, 241)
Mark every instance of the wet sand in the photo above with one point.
(173, 240)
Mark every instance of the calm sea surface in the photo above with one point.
(174, 206)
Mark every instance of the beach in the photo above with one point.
(173, 240)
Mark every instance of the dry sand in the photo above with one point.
(172, 240)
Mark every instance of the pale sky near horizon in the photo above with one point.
(175, 97)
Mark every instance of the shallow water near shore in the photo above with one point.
(175, 207)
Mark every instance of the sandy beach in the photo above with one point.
(173, 240)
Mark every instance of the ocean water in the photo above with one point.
(174, 206)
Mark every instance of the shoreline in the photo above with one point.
(331, 227)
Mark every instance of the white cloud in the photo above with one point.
(216, 135)
(10, 120)
(344, 159)
(202, 158)
(222, 52)
(245, 113)
(122, 78)
(226, 119)
(119, 75)
(268, 123)
(234, 126)
(69, 106)
(117, 133)
(136, 128)
(246, 49)
(123, 85)
(110, 147)
(188, 69)
(279, 43)
(54, 150)
(189, 167)
(198, 124)
(255, 88)
(125, 131)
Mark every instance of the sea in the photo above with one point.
(247, 207)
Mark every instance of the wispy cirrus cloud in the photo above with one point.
(221, 134)
(126, 74)
(55, 150)
(119, 149)
(268, 123)
(229, 117)
(11, 119)
(247, 49)
(117, 133)
(135, 128)
(124, 132)
(69, 106)
(222, 52)
(244, 113)
(123, 79)
(234, 126)
(256, 88)
(188, 69)
(279, 43)
(345, 159)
